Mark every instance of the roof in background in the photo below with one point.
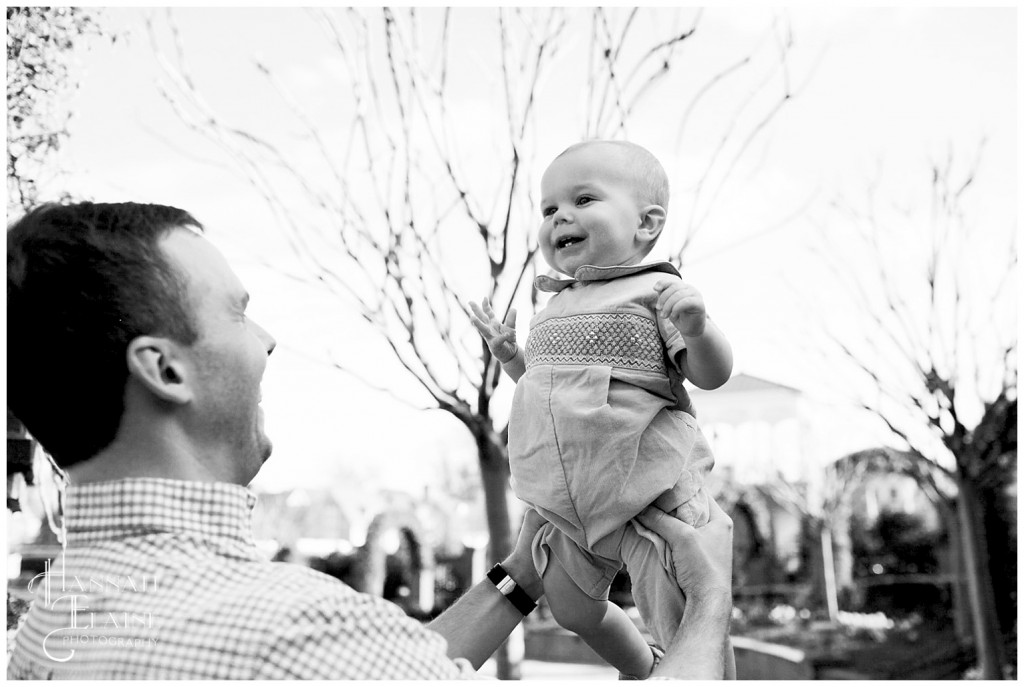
(745, 382)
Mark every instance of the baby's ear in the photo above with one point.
(652, 221)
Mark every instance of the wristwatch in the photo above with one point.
(510, 590)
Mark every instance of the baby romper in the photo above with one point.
(601, 427)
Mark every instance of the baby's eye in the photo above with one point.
(583, 200)
(547, 212)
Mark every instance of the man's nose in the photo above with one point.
(268, 341)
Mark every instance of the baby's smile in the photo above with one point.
(567, 241)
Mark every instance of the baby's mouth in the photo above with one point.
(567, 241)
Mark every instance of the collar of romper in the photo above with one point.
(594, 273)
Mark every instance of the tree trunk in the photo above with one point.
(495, 475)
(829, 574)
(817, 574)
(842, 547)
(987, 638)
(372, 562)
(957, 571)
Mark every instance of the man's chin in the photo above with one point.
(263, 443)
(264, 455)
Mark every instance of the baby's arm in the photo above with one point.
(707, 360)
(500, 338)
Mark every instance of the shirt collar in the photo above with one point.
(588, 273)
(114, 510)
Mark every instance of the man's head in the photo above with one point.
(603, 203)
(113, 313)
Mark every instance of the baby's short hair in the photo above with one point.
(647, 172)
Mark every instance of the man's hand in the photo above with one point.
(702, 556)
(519, 564)
(500, 337)
(682, 305)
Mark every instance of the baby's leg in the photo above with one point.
(656, 592)
(601, 624)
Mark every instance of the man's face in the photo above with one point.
(590, 211)
(229, 357)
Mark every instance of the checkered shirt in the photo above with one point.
(162, 579)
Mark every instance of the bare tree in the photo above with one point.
(41, 44)
(392, 210)
(932, 353)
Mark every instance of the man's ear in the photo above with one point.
(155, 363)
(652, 221)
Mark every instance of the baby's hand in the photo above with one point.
(682, 305)
(499, 337)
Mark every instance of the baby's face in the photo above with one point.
(591, 213)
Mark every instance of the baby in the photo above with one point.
(601, 426)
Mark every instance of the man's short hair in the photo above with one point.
(83, 281)
(646, 171)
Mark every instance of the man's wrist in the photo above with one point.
(525, 575)
(513, 593)
(710, 604)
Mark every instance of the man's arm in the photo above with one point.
(697, 652)
(477, 624)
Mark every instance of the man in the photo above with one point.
(133, 363)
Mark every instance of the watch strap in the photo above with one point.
(510, 590)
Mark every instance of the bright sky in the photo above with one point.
(881, 94)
